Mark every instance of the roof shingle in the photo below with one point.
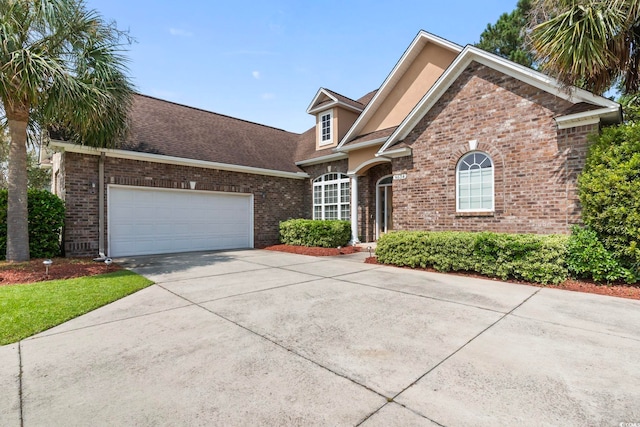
(170, 129)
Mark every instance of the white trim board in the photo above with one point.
(158, 158)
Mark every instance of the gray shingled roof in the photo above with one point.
(382, 133)
(170, 129)
(344, 100)
(580, 107)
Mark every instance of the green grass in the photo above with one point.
(28, 309)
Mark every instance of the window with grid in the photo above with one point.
(325, 128)
(474, 187)
(331, 197)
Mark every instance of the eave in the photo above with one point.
(609, 114)
(322, 159)
(159, 158)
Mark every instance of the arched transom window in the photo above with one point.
(331, 197)
(474, 188)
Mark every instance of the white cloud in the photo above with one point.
(256, 75)
(180, 32)
(268, 96)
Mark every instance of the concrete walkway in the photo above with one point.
(264, 338)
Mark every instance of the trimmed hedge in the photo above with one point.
(46, 218)
(589, 259)
(309, 232)
(609, 189)
(530, 257)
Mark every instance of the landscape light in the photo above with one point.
(47, 263)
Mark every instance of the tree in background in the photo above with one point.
(61, 68)
(37, 178)
(588, 43)
(507, 37)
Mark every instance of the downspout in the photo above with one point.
(101, 249)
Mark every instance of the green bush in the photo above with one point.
(534, 258)
(588, 259)
(46, 218)
(308, 232)
(609, 189)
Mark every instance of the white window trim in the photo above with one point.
(320, 116)
(343, 180)
(493, 184)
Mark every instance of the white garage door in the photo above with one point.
(154, 221)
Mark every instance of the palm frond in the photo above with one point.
(65, 64)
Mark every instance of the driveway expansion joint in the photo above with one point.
(466, 344)
(289, 350)
(20, 400)
(399, 291)
(563, 325)
(209, 275)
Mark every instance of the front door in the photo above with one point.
(384, 206)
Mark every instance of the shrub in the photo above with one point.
(534, 258)
(308, 232)
(609, 189)
(46, 218)
(588, 258)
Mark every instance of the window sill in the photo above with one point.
(475, 214)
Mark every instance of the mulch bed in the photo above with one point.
(621, 290)
(62, 268)
(68, 268)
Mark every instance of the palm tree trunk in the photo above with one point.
(17, 213)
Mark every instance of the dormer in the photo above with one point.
(335, 114)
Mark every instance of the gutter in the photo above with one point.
(159, 158)
(589, 117)
(322, 159)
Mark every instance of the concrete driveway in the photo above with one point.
(265, 338)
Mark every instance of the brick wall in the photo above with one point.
(275, 199)
(535, 165)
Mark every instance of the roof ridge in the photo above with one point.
(350, 99)
(213, 112)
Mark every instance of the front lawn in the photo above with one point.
(27, 309)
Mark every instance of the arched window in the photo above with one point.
(331, 197)
(474, 186)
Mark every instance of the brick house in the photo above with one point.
(454, 139)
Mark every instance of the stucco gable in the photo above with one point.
(417, 70)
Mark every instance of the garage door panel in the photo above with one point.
(150, 221)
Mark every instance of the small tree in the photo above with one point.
(61, 67)
(609, 189)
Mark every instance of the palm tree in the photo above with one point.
(591, 43)
(61, 68)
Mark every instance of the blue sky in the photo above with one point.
(264, 61)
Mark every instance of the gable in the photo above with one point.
(417, 70)
(603, 109)
(490, 108)
(423, 72)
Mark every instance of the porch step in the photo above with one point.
(365, 246)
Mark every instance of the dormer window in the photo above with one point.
(326, 130)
